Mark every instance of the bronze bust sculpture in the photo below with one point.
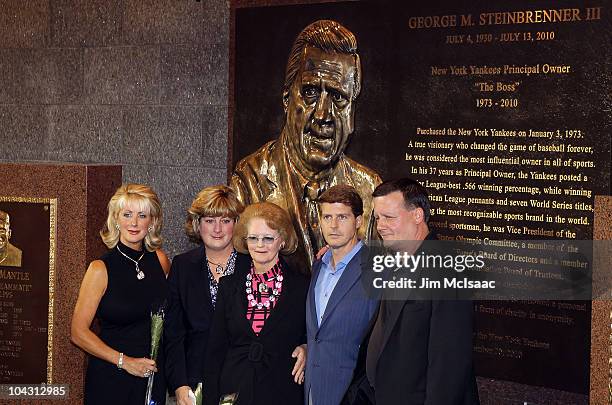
(9, 255)
(322, 81)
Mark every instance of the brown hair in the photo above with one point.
(213, 201)
(344, 194)
(415, 195)
(275, 217)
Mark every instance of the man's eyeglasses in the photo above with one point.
(266, 240)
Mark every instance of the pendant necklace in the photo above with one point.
(218, 267)
(139, 274)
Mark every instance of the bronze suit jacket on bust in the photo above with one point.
(268, 175)
(13, 257)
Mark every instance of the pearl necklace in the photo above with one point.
(263, 288)
(139, 274)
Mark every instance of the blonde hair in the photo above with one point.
(276, 218)
(147, 201)
(213, 201)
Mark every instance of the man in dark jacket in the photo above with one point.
(420, 350)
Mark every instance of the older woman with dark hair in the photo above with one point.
(259, 323)
(193, 280)
(120, 290)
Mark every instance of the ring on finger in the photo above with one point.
(147, 373)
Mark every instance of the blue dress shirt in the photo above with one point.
(328, 278)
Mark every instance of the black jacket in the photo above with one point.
(425, 356)
(257, 367)
(189, 318)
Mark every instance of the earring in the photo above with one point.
(150, 229)
(117, 226)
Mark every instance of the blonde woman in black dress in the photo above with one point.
(121, 289)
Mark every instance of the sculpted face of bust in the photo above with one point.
(5, 231)
(319, 109)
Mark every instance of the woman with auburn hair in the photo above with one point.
(259, 325)
(193, 282)
(120, 290)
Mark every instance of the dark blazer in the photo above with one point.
(189, 318)
(257, 367)
(426, 353)
(333, 345)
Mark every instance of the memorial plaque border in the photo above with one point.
(52, 250)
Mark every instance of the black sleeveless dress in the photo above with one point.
(124, 314)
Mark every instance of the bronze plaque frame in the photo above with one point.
(50, 205)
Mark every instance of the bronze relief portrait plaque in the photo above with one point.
(498, 109)
(318, 99)
(27, 282)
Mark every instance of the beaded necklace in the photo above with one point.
(256, 299)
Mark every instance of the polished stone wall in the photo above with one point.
(141, 83)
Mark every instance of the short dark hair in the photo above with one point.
(344, 194)
(415, 195)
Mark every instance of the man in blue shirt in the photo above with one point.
(338, 310)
